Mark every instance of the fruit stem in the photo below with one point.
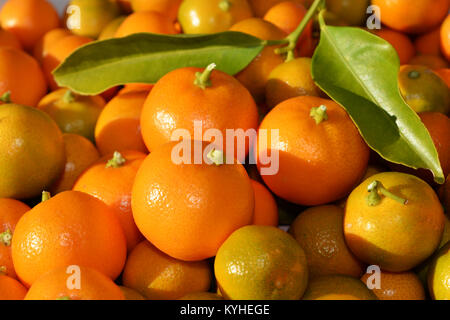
(374, 198)
(116, 161)
(69, 96)
(2, 270)
(216, 156)
(225, 5)
(292, 39)
(45, 196)
(5, 237)
(414, 74)
(202, 79)
(6, 97)
(319, 114)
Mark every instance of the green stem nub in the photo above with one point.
(69, 96)
(319, 114)
(2, 270)
(225, 5)
(64, 298)
(5, 237)
(202, 79)
(117, 161)
(376, 188)
(45, 196)
(216, 156)
(6, 97)
(414, 74)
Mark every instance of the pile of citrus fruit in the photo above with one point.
(93, 207)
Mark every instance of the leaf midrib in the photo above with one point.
(349, 67)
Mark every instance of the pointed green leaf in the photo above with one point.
(146, 57)
(360, 72)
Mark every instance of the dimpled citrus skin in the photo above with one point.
(80, 154)
(319, 231)
(398, 286)
(200, 17)
(11, 289)
(186, 210)
(318, 163)
(337, 287)
(70, 228)
(423, 16)
(145, 21)
(175, 102)
(395, 236)
(254, 77)
(113, 186)
(21, 75)
(167, 7)
(157, 276)
(439, 274)
(93, 286)
(29, 20)
(266, 209)
(118, 126)
(261, 263)
(31, 151)
(10, 212)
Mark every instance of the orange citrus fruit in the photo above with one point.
(93, 285)
(90, 16)
(393, 220)
(261, 263)
(423, 90)
(167, 7)
(80, 155)
(255, 76)
(190, 97)
(445, 38)
(11, 289)
(47, 40)
(186, 210)
(131, 294)
(198, 16)
(260, 7)
(57, 52)
(157, 276)
(337, 287)
(429, 60)
(444, 74)
(32, 156)
(423, 16)
(29, 20)
(72, 228)
(321, 155)
(397, 286)
(429, 43)
(72, 112)
(111, 179)
(145, 21)
(319, 231)
(9, 39)
(118, 127)
(266, 209)
(289, 80)
(10, 212)
(401, 43)
(21, 76)
(439, 273)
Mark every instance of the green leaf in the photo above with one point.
(146, 57)
(360, 72)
